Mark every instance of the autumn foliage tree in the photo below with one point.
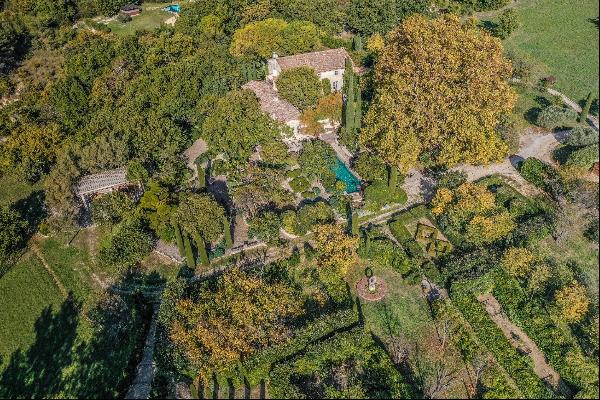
(441, 86)
(216, 328)
(573, 302)
(336, 254)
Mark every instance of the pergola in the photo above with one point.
(103, 182)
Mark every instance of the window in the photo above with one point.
(335, 85)
(336, 72)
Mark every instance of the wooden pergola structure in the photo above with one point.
(103, 182)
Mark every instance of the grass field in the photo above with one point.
(561, 35)
(147, 20)
(27, 290)
(152, 17)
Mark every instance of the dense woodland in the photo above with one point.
(434, 89)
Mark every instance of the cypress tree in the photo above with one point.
(178, 238)
(358, 106)
(202, 254)
(349, 103)
(189, 254)
(201, 176)
(227, 230)
(393, 180)
(355, 229)
(586, 108)
(357, 43)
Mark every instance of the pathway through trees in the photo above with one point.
(519, 340)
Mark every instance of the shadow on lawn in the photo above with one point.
(58, 365)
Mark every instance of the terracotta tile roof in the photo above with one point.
(270, 102)
(320, 61)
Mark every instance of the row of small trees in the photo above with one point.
(184, 243)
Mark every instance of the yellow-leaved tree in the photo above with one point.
(441, 86)
(573, 302)
(215, 328)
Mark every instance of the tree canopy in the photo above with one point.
(441, 86)
(300, 86)
(200, 214)
(244, 313)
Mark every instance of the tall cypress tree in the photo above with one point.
(202, 254)
(357, 43)
(227, 230)
(189, 254)
(355, 228)
(201, 176)
(586, 108)
(358, 105)
(349, 101)
(393, 179)
(178, 238)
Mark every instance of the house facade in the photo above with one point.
(328, 64)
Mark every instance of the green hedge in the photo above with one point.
(556, 343)
(494, 383)
(402, 235)
(379, 379)
(491, 336)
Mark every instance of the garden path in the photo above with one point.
(142, 383)
(519, 340)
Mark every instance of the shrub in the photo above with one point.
(592, 232)
(507, 23)
(584, 157)
(293, 173)
(378, 194)
(536, 172)
(299, 184)
(123, 18)
(265, 226)
(532, 231)
(582, 136)
(554, 116)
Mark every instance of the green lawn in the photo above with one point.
(27, 290)
(561, 35)
(151, 17)
(403, 312)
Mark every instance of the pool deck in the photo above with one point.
(343, 154)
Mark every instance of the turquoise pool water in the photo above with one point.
(173, 8)
(343, 174)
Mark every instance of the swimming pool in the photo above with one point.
(173, 8)
(343, 174)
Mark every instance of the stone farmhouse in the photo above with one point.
(328, 64)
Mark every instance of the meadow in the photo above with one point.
(562, 36)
